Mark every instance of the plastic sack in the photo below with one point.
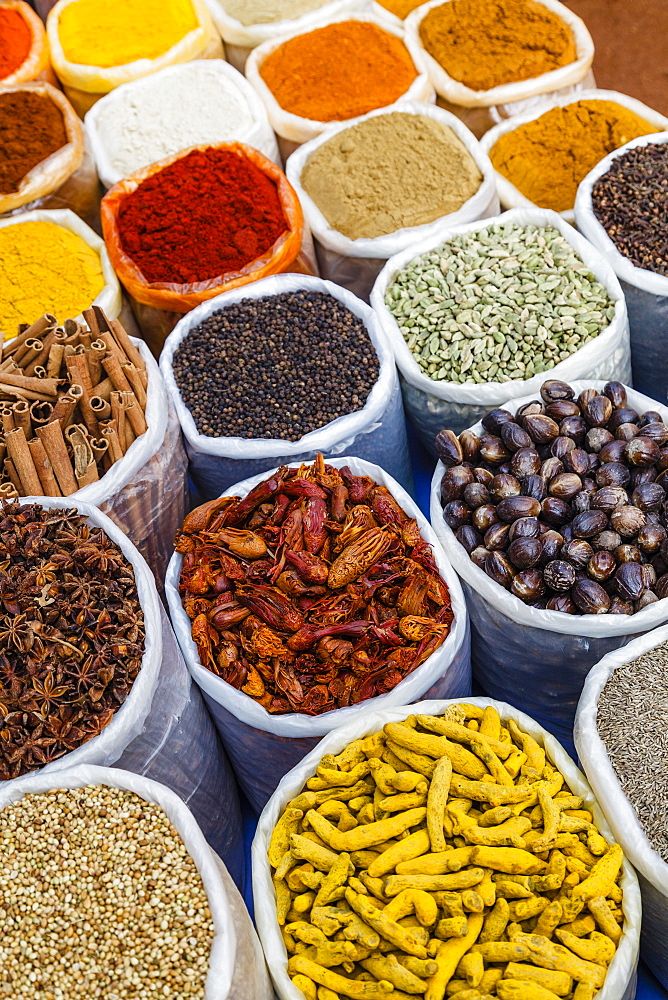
(646, 292)
(355, 264)
(107, 125)
(84, 85)
(264, 747)
(620, 982)
(652, 870)
(163, 303)
(458, 95)
(110, 299)
(433, 405)
(162, 729)
(537, 660)
(236, 965)
(241, 38)
(66, 178)
(377, 431)
(36, 65)
(293, 130)
(512, 197)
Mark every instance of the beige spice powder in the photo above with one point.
(390, 172)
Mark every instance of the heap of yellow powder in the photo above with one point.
(44, 268)
(115, 32)
(548, 157)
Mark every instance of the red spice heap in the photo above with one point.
(204, 216)
(15, 38)
(314, 592)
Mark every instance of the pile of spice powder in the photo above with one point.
(71, 634)
(99, 33)
(276, 367)
(99, 898)
(45, 268)
(400, 8)
(487, 43)
(338, 72)
(631, 202)
(15, 41)
(631, 721)
(389, 172)
(31, 129)
(205, 216)
(268, 11)
(548, 157)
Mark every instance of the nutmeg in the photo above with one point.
(616, 393)
(559, 575)
(629, 581)
(528, 585)
(448, 448)
(627, 520)
(590, 597)
(525, 553)
(513, 507)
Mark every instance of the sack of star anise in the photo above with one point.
(305, 596)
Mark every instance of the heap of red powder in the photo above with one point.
(15, 39)
(204, 216)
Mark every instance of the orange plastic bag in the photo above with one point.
(36, 65)
(158, 306)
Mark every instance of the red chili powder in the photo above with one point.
(15, 39)
(204, 216)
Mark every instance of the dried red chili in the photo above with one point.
(314, 592)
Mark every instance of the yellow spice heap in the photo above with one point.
(115, 32)
(44, 268)
(444, 856)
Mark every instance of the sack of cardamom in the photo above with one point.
(483, 312)
(620, 735)
(620, 209)
(375, 185)
(129, 869)
(452, 862)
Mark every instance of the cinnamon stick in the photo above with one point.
(35, 330)
(8, 491)
(19, 453)
(134, 378)
(21, 412)
(55, 359)
(100, 407)
(44, 468)
(125, 343)
(12, 474)
(52, 438)
(110, 434)
(85, 468)
(45, 386)
(134, 413)
(41, 413)
(7, 418)
(63, 411)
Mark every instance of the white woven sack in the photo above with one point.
(236, 966)
(297, 130)
(377, 431)
(652, 870)
(355, 263)
(620, 981)
(536, 659)
(506, 93)
(512, 197)
(264, 747)
(646, 292)
(110, 298)
(105, 133)
(433, 405)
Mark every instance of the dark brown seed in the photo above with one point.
(448, 448)
(551, 542)
(492, 449)
(524, 553)
(555, 511)
(504, 485)
(627, 521)
(642, 451)
(531, 409)
(648, 496)
(475, 495)
(559, 575)
(589, 485)
(470, 445)
(550, 468)
(649, 576)
(494, 420)
(525, 462)
(536, 487)
(629, 581)
(661, 588)
(641, 475)
(479, 555)
(562, 603)
(598, 411)
(601, 566)
(616, 393)
(468, 537)
(627, 553)
(590, 597)
(553, 390)
(576, 461)
(528, 585)
(650, 536)
(618, 606)
(456, 513)
(609, 497)
(608, 540)
(483, 476)
(597, 437)
(484, 517)
(565, 485)
(650, 417)
(496, 537)
(573, 427)
(648, 597)
(622, 415)
(662, 479)
(585, 396)
(561, 446)
(524, 527)
(589, 524)
(454, 482)
(612, 452)
(626, 432)
(577, 552)
(513, 507)
(656, 432)
(581, 502)
(562, 408)
(514, 437)
(541, 428)
(612, 474)
(499, 568)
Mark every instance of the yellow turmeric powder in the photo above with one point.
(486, 43)
(548, 157)
(44, 268)
(99, 33)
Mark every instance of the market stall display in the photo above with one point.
(278, 741)
(621, 208)
(24, 51)
(472, 852)
(379, 183)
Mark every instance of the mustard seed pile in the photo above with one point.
(99, 898)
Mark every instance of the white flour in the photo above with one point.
(268, 11)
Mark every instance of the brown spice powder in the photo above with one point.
(31, 129)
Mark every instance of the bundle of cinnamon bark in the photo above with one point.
(72, 401)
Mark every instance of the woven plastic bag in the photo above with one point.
(162, 730)
(236, 965)
(293, 130)
(84, 85)
(507, 99)
(534, 659)
(263, 747)
(36, 65)
(355, 264)
(159, 306)
(377, 431)
(651, 869)
(512, 197)
(646, 292)
(620, 982)
(433, 405)
(66, 178)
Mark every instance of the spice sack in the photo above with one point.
(265, 746)
(236, 968)
(24, 51)
(645, 290)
